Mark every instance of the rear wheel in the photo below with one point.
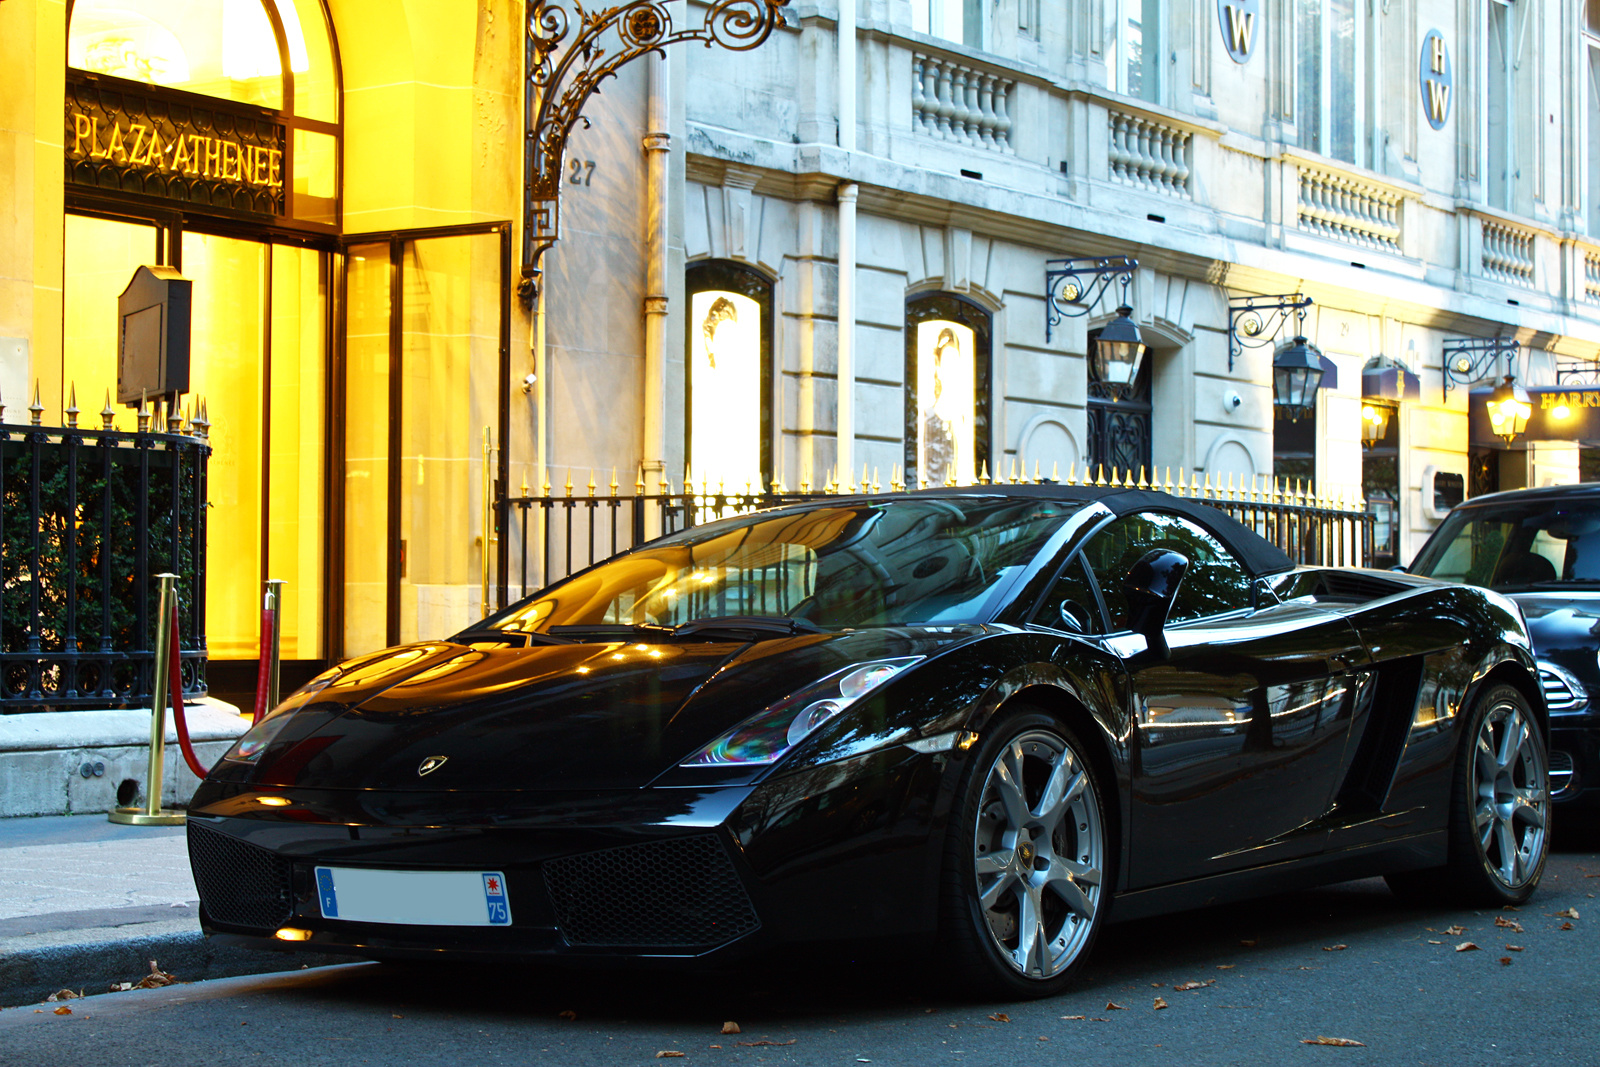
(1027, 860)
(1499, 809)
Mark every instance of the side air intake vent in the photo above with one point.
(240, 884)
(681, 893)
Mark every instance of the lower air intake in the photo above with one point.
(240, 884)
(680, 893)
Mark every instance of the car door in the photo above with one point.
(1240, 731)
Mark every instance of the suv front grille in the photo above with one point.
(240, 884)
(680, 893)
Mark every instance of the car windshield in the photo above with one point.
(1516, 544)
(907, 561)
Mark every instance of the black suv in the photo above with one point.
(1541, 547)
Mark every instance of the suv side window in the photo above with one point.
(1214, 584)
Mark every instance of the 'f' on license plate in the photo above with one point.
(414, 898)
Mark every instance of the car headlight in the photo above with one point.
(769, 735)
(255, 740)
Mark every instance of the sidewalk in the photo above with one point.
(85, 903)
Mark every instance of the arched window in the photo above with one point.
(728, 349)
(136, 128)
(947, 390)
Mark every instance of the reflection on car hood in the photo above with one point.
(1561, 620)
(598, 715)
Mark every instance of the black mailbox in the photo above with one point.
(153, 338)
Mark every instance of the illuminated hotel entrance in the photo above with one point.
(348, 380)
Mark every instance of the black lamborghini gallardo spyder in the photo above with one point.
(990, 719)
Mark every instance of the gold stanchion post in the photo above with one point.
(275, 602)
(153, 814)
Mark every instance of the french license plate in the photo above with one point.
(414, 898)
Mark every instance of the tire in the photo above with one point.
(1025, 888)
(1499, 830)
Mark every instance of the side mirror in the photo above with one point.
(1073, 617)
(1150, 587)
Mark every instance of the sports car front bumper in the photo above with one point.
(844, 851)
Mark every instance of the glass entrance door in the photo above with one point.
(425, 351)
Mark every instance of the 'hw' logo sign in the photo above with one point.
(1239, 21)
(1434, 79)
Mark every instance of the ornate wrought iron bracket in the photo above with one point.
(558, 87)
(1254, 321)
(1073, 286)
(1576, 372)
(1472, 359)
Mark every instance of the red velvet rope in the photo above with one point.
(175, 687)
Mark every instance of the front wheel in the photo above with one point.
(1499, 809)
(1027, 859)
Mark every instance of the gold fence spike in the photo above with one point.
(722, 487)
(108, 415)
(592, 486)
(36, 409)
(983, 475)
(780, 488)
(638, 484)
(876, 487)
(569, 481)
(1054, 471)
(1206, 489)
(614, 483)
(72, 407)
(805, 483)
(1072, 473)
(1143, 482)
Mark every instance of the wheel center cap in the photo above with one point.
(1025, 850)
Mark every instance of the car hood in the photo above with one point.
(592, 715)
(1562, 623)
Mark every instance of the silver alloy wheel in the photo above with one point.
(1511, 795)
(1038, 852)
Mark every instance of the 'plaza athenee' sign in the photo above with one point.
(172, 146)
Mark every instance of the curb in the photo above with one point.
(33, 967)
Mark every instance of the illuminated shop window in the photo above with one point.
(728, 346)
(947, 371)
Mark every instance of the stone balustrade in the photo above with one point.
(956, 102)
(1345, 208)
(1149, 154)
(1591, 274)
(1507, 253)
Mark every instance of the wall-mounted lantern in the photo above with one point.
(1072, 288)
(1374, 423)
(1297, 371)
(1296, 376)
(1509, 408)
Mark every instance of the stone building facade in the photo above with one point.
(822, 259)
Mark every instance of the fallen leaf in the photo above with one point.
(1000, 1017)
(119, 987)
(1508, 924)
(392, 1016)
(1466, 946)
(713, 1046)
(1248, 942)
(1513, 948)
(1160, 1004)
(764, 1041)
(1570, 913)
(1072, 1016)
(1431, 941)
(570, 1015)
(1454, 931)
(1155, 985)
(730, 1027)
(1341, 1042)
(1509, 907)
(1334, 948)
(669, 1054)
(1112, 1005)
(63, 994)
(1184, 987)
(1505, 961)
(1565, 926)
(1226, 966)
(1044, 1039)
(156, 978)
(63, 1010)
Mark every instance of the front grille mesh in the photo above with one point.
(1558, 696)
(240, 884)
(679, 893)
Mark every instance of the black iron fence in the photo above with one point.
(87, 519)
(554, 534)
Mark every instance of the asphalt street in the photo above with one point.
(1241, 984)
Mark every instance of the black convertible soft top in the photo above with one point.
(1258, 555)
